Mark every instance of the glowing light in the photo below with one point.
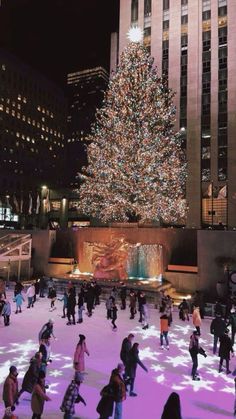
(135, 34)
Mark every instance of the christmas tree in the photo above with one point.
(136, 168)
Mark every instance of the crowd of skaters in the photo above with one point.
(123, 376)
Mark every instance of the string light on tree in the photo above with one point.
(136, 167)
(135, 34)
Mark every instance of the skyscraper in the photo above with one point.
(85, 91)
(32, 128)
(194, 48)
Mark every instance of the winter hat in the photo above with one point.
(82, 337)
(51, 321)
(12, 369)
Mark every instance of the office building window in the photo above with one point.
(134, 11)
(147, 38)
(147, 8)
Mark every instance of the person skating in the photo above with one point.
(90, 297)
(81, 307)
(141, 301)
(42, 285)
(71, 304)
(6, 312)
(71, 397)
(30, 293)
(217, 329)
(106, 403)
(97, 292)
(194, 350)
(123, 295)
(47, 330)
(133, 361)
(124, 352)
(64, 298)
(39, 396)
(114, 310)
(164, 328)
(184, 310)
(18, 299)
(132, 304)
(10, 388)
(224, 351)
(232, 323)
(172, 408)
(119, 389)
(52, 295)
(197, 321)
(45, 349)
(145, 316)
(81, 349)
(109, 301)
(32, 374)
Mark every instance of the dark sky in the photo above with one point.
(59, 36)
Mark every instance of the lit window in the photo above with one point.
(24, 100)
(1, 107)
(18, 115)
(29, 121)
(19, 97)
(38, 125)
(42, 137)
(43, 110)
(23, 118)
(13, 104)
(50, 148)
(51, 131)
(18, 106)
(28, 138)
(39, 108)
(3, 67)
(13, 112)
(46, 138)
(43, 129)
(17, 134)
(23, 136)
(32, 149)
(51, 115)
(47, 129)
(47, 112)
(7, 110)
(8, 101)
(43, 119)
(17, 144)
(33, 122)
(32, 141)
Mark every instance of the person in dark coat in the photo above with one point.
(194, 350)
(114, 310)
(32, 374)
(133, 361)
(217, 328)
(124, 353)
(218, 309)
(90, 296)
(123, 295)
(80, 306)
(71, 303)
(172, 409)
(184, 310)
(232, 323)
(42, 286)
(224, 351)
(18, 288)
(141, 302)
(106, 404)
(52, 295)
(119, 389)
(47, 330)
(132, 304)
(97, 292)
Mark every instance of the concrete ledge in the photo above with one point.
(183, 281)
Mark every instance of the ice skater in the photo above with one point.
(133, 361)
(114, 310)
(64, 298)
(124, 352)
(81, 349)
(52, 295)
(18, 299)
(6, 312)
(224, 352)
(30, 295)
(81, 307)
(197, 321)
(164, 329)
(194, 350)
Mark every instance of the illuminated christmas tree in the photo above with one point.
(136, 168)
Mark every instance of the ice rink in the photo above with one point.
(210, 398)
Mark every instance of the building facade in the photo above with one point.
(32, 129)
(194, 48)
(85, 91)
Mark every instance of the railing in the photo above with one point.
(11, 241)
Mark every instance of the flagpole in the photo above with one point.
(212, 203)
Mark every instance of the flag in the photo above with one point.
(47, 202)
(8, 203)
(222, 193)
(37, 204)
(209, 190)
(15, 202)
(21, 204)
(30, 203)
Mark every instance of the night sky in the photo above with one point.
(59, 36)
